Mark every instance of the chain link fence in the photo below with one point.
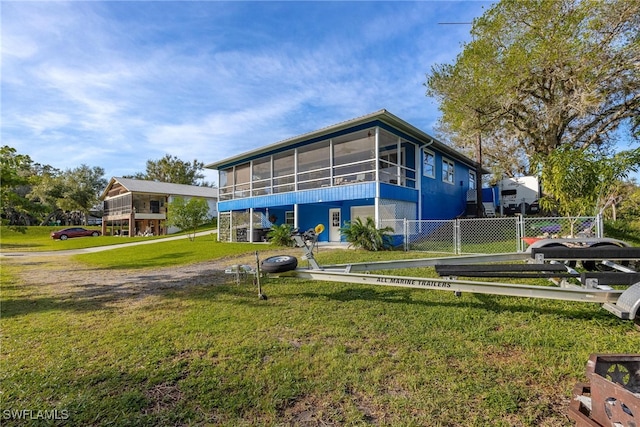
(233, 226)
(224, 226)
(487, 235)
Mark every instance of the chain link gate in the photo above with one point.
(487, 235)
(431, 236)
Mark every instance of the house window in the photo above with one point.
(283, 172)
(314, 166)
(397, 163)
(363, 212)
(242, 181)
(261, 176)
(428, 163)
(389, 158)
(288, 218)
(225, 180)
(447, 171)
(472, 180)
(353, 156)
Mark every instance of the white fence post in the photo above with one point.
(520, 233)
(599, 226)
(406, 234)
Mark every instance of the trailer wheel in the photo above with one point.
(569, 263)
(596, 266)
(279, 264)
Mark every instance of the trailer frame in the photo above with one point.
(623, 303)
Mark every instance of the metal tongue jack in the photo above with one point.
(308, 241)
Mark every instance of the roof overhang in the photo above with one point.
(382, 116)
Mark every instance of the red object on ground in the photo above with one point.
(531, 240)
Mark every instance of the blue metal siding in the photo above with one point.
(491, 195)
(441, 200)
(344, 192)
(279, 213)
(395, 192)
(311, 215)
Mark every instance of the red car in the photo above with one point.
(74, 232)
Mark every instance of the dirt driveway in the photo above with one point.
(61, 275)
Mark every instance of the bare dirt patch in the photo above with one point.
(61, 276)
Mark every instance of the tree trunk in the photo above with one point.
(48, 219)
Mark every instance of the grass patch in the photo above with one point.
(314, 353)
(37, 239)
(166, 254)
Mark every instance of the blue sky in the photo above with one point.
(114, 84)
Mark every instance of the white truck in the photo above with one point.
(519, 195)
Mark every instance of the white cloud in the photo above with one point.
(122, 83)
(40, 123)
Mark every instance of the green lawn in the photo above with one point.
(39, 239)
(314, 353)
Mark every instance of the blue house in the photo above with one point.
(375, 166)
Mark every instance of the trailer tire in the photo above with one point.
(569, 263)
(596, 266)
(279, 264)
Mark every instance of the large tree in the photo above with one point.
(14, 179)
(541, 74)
(47, 188)
(81, 189)
(70, 195)
(172, 169)
(33, 192)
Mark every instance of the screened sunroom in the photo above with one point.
(367, 155)
(369, 166)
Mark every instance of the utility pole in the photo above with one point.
(479, 206)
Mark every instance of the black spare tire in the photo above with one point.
(279, 264)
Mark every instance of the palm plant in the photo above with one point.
(280, 235)
(366, 235)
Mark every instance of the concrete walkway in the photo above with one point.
(320, 245)
(100, 248)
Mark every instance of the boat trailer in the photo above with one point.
(616, 264)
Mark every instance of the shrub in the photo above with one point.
(624, 230)
(366, 235)
(280, 235)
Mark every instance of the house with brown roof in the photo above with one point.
(135, 207)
